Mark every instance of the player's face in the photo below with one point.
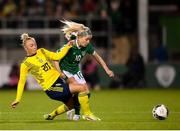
(30, 47)
(84, 41)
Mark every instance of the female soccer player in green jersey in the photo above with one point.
(39, 64)
(69, 65)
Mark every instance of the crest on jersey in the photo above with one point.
(83, 53)
(165, 75)
(39, 59)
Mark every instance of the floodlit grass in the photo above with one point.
(118, 109)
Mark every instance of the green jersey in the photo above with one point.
(72, 59)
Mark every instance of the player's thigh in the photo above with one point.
(83, 82)
(72, 80)
(80, 79)
(76, 82)
(59, 91)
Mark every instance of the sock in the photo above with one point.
(84, 102)
(89, 95)
(76, 104)
(60, 110)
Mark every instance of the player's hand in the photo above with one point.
(14, 104)
(110, 73)
(71, 43)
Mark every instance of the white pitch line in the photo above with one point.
(115, 112)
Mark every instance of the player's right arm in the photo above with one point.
(21, 84)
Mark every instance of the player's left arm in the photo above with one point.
(99, 59)
(56, 65)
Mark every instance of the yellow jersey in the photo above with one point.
(41, 68)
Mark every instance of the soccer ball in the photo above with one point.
(160, 112)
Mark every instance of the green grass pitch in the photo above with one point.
(118, 109)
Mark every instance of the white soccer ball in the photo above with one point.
(160, 112)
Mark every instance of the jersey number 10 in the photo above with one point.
(78, 58)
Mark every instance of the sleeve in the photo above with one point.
(22, 81)
(58, 55)
(90, 49)
(58, 50)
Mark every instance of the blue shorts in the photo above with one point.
(59, 91)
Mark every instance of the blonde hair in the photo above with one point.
(25, 37)
(71, 27)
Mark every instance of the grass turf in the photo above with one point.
(118, 109)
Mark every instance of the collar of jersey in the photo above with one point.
(77, 44)
(31, 55)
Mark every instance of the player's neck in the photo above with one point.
(29, 55)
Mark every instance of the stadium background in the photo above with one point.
(119, 27)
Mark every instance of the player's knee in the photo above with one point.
(83, 88)
(77, 88)
(86, 86)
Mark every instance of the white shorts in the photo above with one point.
(78, 76)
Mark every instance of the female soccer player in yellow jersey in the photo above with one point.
(38, 64)
(70, 63)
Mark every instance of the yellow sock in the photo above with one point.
(60, 110)
(84, 102)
